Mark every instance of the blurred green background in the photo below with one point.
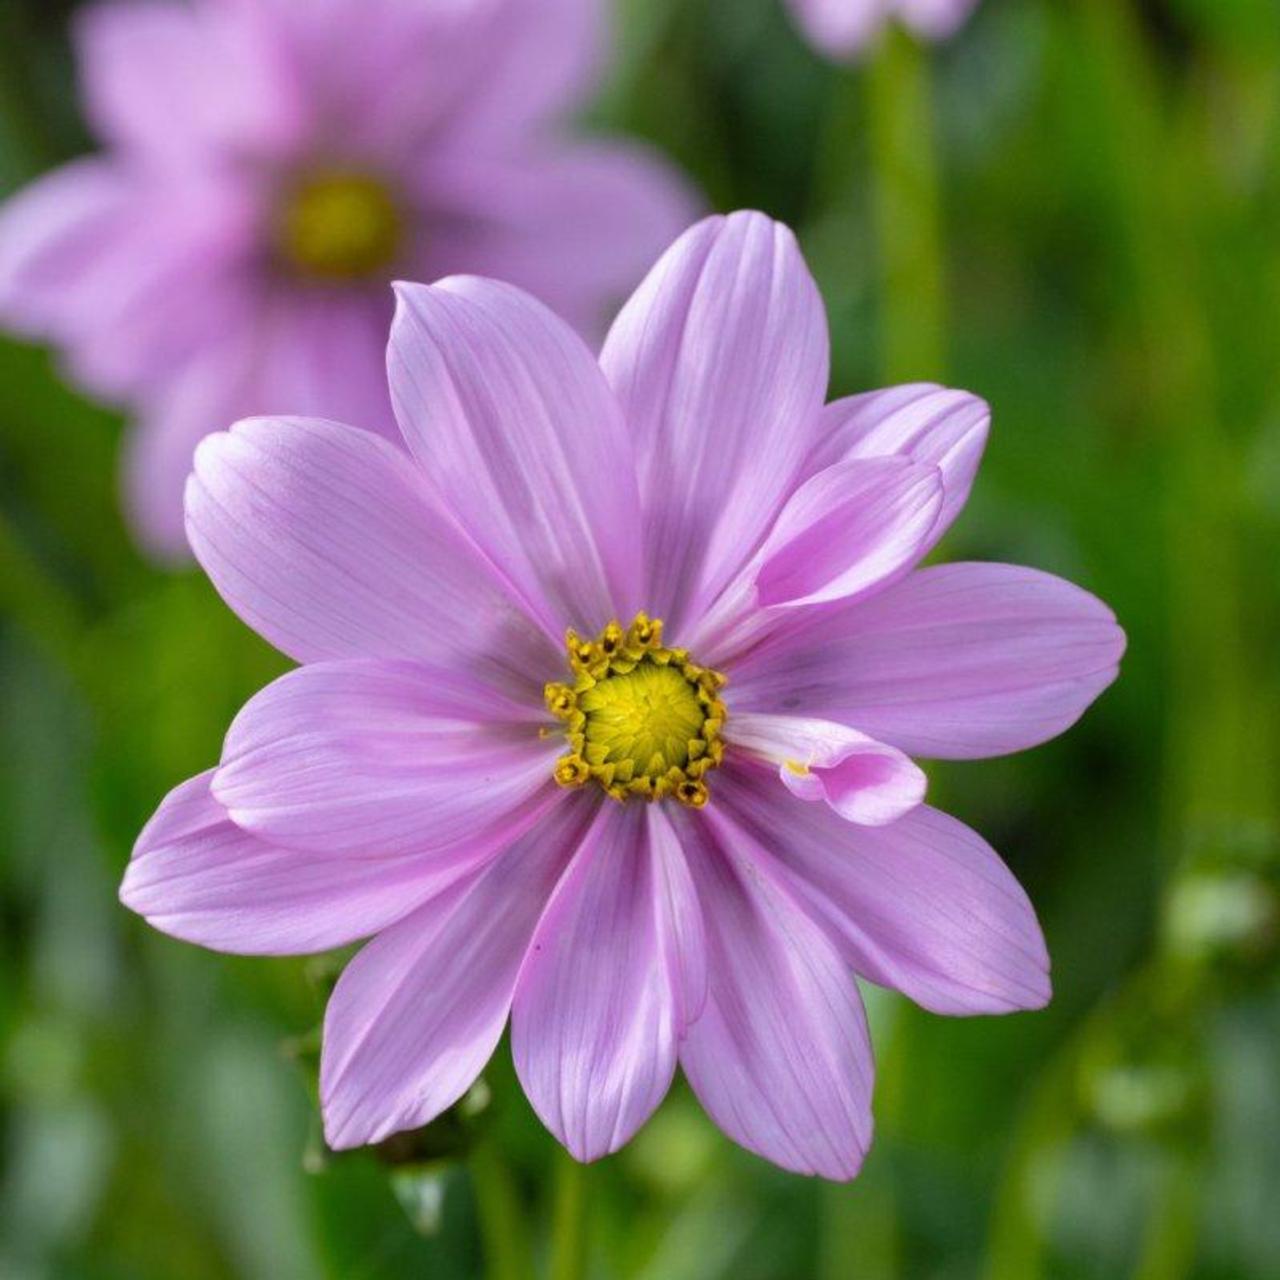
(1074, 210)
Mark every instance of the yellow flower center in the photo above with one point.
(641, 719)
(337, 226)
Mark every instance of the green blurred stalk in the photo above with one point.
(34, 599)
(1212, 742)
(860, 1234)
(1169, 1250)
(1219, 744)
(504, 1234)
(904, 183)
(569, 1219)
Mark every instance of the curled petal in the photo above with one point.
(923, 905)
(848, 531)
(931, 425)
(863, 780)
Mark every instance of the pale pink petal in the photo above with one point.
(929, 424)
(576, 225)
(159, 448)
(379, 758)
(509, 415)
(50, 235)
(296, 355)
(179, 81)
(498, 70)
(848, 531)
(195, 875)
(780, 1057)
(535, 62)
(680, 926)
(320, 353)
(720, 360)
(957, 661)
(936, 19)
(840, 28)
(924, 905)
(861, 779)
(594, 1025)
(105, 261)
(325, 540)
(417, 1014)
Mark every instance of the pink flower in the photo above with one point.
(842, 28)
(272, 165)
(441, 773)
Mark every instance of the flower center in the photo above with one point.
(338, 225)
(641, 719)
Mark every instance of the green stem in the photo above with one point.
(1169, 1250)
(503, 1230)
(906, 210)
(569, 1220)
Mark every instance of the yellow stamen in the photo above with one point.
(640, 719)
(337, 225)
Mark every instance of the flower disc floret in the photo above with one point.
(336, 225)
(641, 719)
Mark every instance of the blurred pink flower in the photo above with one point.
(441, 773)
(273, 164)
(841, 28)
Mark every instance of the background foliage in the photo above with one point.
(1073, 210)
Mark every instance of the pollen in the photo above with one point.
(641, 719)
(339, 226)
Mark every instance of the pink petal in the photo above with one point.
(379, 758)
(320, 354)
(680, 926)
(720, 360)
(195, 875)
(924, 905)
(840, 28)
(534, 63)
(130, 272)
(417, 1014)
(594, 1026)
(780, 1056)
(176, 80)
(296, 355)
(861, 779)
(325, 540)
(159, 448)
(848, 531)
(508, 413)
(499, 69)
(958, 661)
(936, 19)
(50, 234)
(576, 225)
(929, 424)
